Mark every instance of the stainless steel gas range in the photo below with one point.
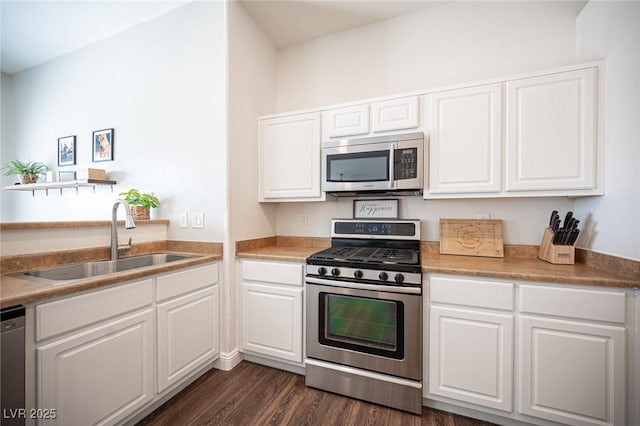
(364, 313)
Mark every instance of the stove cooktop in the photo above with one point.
(368, 255)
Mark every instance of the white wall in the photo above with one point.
(251, 93)
(453, 43)
(611, 30)
(162, 86)
(6, 119)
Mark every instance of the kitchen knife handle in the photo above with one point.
(552, 219)
(567, 218)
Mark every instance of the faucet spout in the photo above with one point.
(128, 224)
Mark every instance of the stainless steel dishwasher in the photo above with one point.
(12, 392)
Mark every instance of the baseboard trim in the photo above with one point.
(280, 365)
(228, 360)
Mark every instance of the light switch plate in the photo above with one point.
(197, 219)
(184, 220)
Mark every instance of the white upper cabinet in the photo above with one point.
(395, 114)
(348, 121)
(465, 145)
(552, 132)
(289, 158)
(531, 135)
(536, 135)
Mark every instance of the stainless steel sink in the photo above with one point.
(77, 271)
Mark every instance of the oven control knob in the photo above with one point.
(357, 274)
(383, 276)
(399, 278)
(335, 272)
(322, 270)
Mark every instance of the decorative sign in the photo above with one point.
(379, 209)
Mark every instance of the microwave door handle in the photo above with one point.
(392, 177)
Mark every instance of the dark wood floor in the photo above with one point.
(252, 394)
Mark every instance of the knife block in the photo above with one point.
(558, 255)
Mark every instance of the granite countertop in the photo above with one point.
(521, 267)
(15, 290)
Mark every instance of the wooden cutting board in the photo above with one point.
(471, 237)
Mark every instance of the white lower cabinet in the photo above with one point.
(99, 354)
(573, 372)
(100, 375)
(187, 335)
(570, 352)
(471, 356)
(187, 322)
(471, 349)
(271, 304)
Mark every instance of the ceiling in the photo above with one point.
(33, 32)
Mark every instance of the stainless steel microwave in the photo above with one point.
(375, 165)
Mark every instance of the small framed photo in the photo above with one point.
(67, 151)
(102, 142)
(375, 209)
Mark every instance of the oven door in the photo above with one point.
(358, 167)
(373, 330)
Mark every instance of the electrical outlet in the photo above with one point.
(483, 215)
(184, 220)
(197, 220)
(302, 219)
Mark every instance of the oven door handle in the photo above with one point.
(361, 286)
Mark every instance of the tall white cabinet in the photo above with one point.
(289, 158)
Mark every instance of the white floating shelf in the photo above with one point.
(33, 187)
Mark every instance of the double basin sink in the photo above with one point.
(77, 271)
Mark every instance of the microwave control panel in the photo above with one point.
(406, 163)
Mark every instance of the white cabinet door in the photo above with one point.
(470, 356)
(289, 158)
(572, 372)
(551, 132)
(100, 375)
(187, 335)
(272, 321)
(395, 114)
(347, 121)
(465, 142)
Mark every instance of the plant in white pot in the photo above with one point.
(27, 170)
(141, 203)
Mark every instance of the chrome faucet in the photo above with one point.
(128, 224)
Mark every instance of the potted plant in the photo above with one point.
(27, 170)
(140, 203)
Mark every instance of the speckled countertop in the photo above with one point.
(16, 291)
(522, 265)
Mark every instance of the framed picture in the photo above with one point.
(378, 209)
(102, 142)
(67, 151)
